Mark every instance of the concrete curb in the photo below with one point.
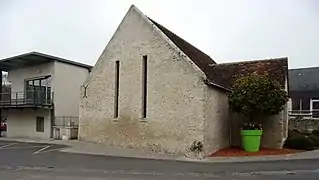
(148, 155)
(269, 158)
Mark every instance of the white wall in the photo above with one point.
(22, 123)
(17, 76)
(68, 81)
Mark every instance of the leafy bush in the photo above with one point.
(315, 139)
(257, 95)
(301, 142)
(294, 132)
(315, 132)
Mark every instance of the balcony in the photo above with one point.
(26, 99)
(304, 114)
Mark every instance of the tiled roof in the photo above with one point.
(226, 74)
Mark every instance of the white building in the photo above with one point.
(44, 93)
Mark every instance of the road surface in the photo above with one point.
(30, 161)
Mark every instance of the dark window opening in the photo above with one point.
(305, 104)
(296, 105)
(40, 124)
(315, 105)
(315, 108)
(144, 89)
(117, 85)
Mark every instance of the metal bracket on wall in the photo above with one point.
(84, 94)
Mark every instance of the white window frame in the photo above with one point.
(300, 109)
(311, 105)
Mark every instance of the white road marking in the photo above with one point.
(23, 147)
(8, 145)
(46, 147)
(57, 149)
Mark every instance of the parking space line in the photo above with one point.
(8, 145)
(57, 149)
(22, 147)
(46, 147)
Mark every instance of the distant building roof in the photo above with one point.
(304, 79)
(34, 58)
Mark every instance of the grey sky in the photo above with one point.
(227, 30)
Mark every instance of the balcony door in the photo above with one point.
(38, 90)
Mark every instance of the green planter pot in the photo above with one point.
(251, 140)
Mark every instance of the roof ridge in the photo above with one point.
(201, 59)
(47, 56)
(304, 68)
(250, 61)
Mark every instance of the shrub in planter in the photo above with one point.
(256, 96)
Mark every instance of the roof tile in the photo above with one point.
(225, 75)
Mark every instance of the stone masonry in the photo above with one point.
(181, 108)
(176, 93)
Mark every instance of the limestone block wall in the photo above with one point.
(303, 124)
(175, 98)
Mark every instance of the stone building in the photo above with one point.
(150, 89)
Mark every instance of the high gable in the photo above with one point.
(218, 75)
(201, 59)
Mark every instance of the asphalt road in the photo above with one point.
(26, 161)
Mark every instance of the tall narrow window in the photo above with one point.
(117, 85)
(144, 88)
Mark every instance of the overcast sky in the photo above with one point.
(227, 30)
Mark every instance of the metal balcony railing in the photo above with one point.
(304, 114)
(26, 98)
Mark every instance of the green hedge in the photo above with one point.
(315, 139)
(302, 141)
(315, 132)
